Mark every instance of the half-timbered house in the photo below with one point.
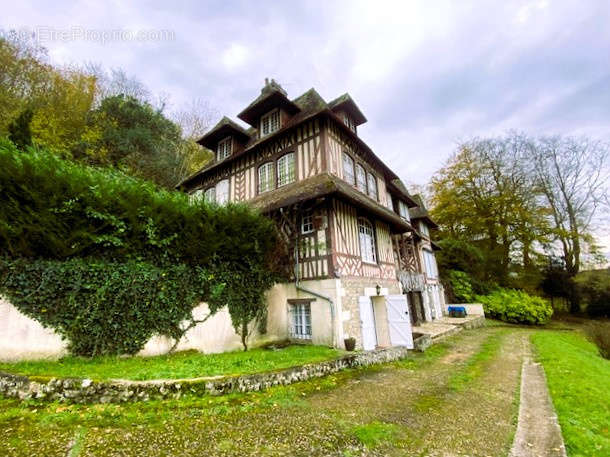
(362, 261)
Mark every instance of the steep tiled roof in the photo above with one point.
(222, 129)
(420, 211)
(346, 102)
(309, 104)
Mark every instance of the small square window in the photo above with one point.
(307, 223)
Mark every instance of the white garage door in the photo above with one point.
(367, 323)
(399, 321)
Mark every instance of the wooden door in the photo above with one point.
(399, 321)
(367, 323)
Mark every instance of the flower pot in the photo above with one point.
(350, 344)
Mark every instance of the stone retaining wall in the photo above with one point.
(117, 391)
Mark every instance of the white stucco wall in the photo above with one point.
(24, 338)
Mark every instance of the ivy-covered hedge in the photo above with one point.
(108, 260)
(516, 306)
(106, 307)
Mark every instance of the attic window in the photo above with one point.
(225, 147)
(270, 122)
(347, 120)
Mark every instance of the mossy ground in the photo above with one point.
(409, 407)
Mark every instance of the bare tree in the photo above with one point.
(117, 82)
(195, 118)
(572, 174)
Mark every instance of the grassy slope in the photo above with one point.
(187, 364)
(579, 383)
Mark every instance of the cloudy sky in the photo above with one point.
(426, 74)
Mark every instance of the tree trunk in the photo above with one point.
(244, 335)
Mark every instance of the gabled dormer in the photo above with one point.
(420, 216)
(347, 110)
(270, 111)
(225, 139)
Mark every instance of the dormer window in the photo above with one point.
(270, 122)
(347, 120)
(225, 147)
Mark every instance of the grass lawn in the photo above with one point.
(188, 364)
(579, 383)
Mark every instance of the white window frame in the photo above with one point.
(423, 228)
(222, 192)
(307, 222)
(209, 195)
(430, 264)
(388, 201)
(366, 236)
(300, 321)
(265, 175)
(350, 176)
(403, 210)
(361, 172)
(371, 178)
(347, 120)
(224, 148)
(286, 172)
(267, 124)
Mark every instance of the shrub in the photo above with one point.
(594, 292)
(516, 306)
(599, 334)
(461, 286)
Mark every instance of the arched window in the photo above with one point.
(265, 177)
(210, 195)
(361, 178)
(348, 169)
(372, 186)
(285, 169)
(367, 241)
(222, 192)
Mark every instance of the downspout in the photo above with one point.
(312, 292)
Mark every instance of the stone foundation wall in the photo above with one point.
(88, 391)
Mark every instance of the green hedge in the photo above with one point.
(516, 306)
(52, 208)
(108, 260)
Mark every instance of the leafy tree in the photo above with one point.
(132, 136)
(19, 131)
(484, 196)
